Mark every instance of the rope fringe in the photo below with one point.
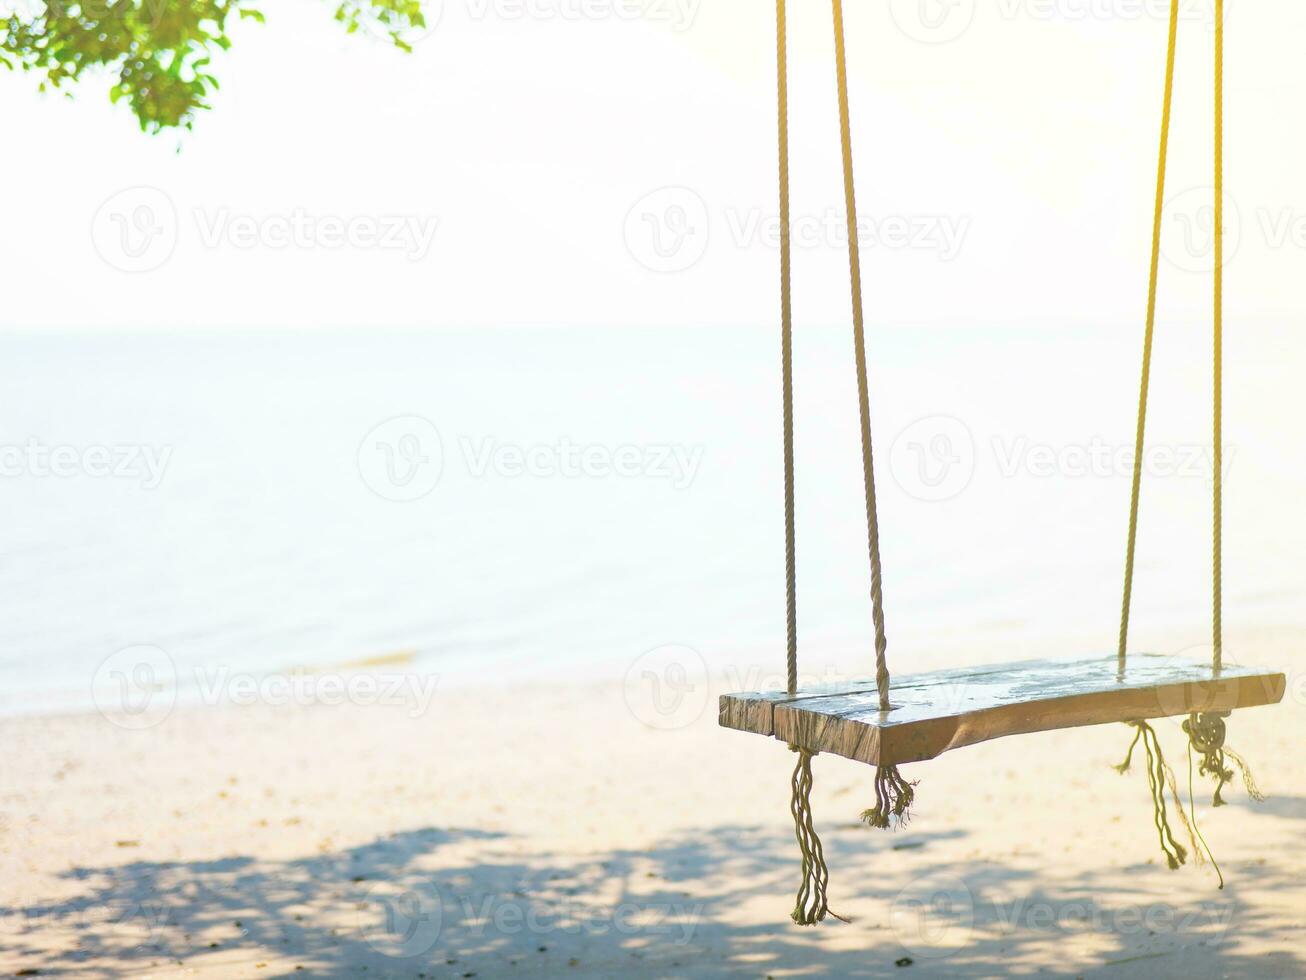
(893, 799)
(1200, 849)
(1205, 738)
(812, 904)
(1189, 827)
(1249, 781)
(1159, 777)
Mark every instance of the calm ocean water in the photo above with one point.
(511, 504)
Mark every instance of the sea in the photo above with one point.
(518, 505)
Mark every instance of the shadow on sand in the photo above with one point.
(428, 903)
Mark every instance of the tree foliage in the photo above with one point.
(159, 52)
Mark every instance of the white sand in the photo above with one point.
(548, 831)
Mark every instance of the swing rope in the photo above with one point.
(893, 793)
(1144, 385)
(811, 905)
(1205, 731)
(787, 347)
(1217, 400)
(859, 349)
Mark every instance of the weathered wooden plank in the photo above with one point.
(932, 713)
(754, 711)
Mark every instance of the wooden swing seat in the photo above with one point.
(932, 713)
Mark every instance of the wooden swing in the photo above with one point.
(888, 723)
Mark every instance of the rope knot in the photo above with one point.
(1206, 733)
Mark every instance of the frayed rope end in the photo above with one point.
(893, 799)
(1158, 778)
(812, 905)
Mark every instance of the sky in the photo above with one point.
(612, 163)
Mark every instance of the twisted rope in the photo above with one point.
(1217, 631)
(787, 348)
(859, 345)
(1147, 333)
(1159, 778)
(893, 794)
(812, 904)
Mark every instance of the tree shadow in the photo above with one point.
(430, 902)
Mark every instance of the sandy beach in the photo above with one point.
(547, 830)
